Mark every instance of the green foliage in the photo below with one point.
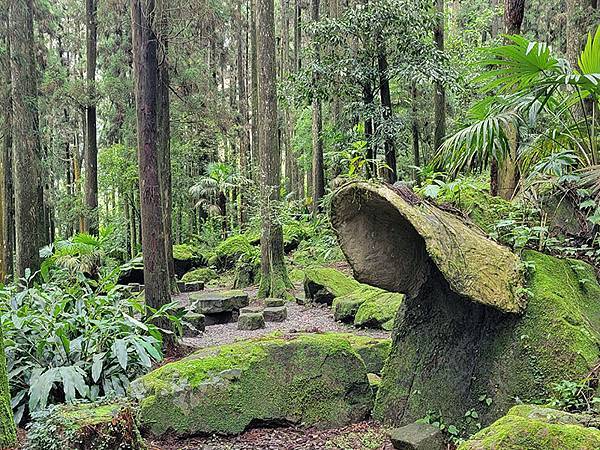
(203, 274)
(227, 254)
(576, 396)
(67, 342)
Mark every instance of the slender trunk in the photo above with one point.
(156, 273)
(163, 112)
(91, 157)
(439, 96)
(26, 139)
(274, 280)
(368, 98)
(414, 93)
(391, 174)
(243, 113)
(318, 170)
(255, 154)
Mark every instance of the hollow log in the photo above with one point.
(463, 340)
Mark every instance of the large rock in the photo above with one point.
(218, 302)
(458, 334)
(186, 257)
(313, 379)
(251, 321)
(417, 436)
(528, 427)
(353, 302)
(86, 426)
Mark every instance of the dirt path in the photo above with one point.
(311, 318)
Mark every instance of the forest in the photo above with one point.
(299, 224)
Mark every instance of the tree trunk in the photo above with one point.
(274, 279)
(7, 201)
(156, 273)
(91, 157)
(368, 98)
(318, 170)
(391, 174)
(164, 135)
(255, 153)
(26, 139)
(505, 174)
(439, 96)
(414, 93)
(243, 114)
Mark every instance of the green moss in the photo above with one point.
(185, 252)
(316, 379)
(363, 305)
(203, 274)
(334, 280)
(230, 250)
(522, 429)
(87, 426)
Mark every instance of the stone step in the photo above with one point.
(275, 314)
(251, 321)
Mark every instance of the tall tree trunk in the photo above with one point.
(368, 99)
(505, 174)
(391, 174)
(274, 279)
(318, 169)
(91, 157)
(255, 155)
(243, 113)
(163, 112)
(26, 138)
(156, 273)
(7, 202)
(439, 96)
(414, 93)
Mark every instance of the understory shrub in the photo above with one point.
(71, 341)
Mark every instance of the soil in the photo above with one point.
(360, 436)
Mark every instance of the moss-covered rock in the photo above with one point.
(87, 426)
(373, 351)
(314, 379)
(203, 274)
(247, 271)
(251, 321)
(447, 352)
(228, 252)
(187, 257)
(527, 427)
(354, 302)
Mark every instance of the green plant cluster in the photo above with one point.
(74, 341)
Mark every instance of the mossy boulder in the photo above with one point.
(353, 302)
(247, 271)
(87, 426)
(466, 329)
(203, 274)
(251, 321)
(528, 427)
(373, 351)
(186, 257)
(228, 252)
(313, 379)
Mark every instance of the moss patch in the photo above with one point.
(533, 428)
(315, 379)
(354, 302)
(228, 252)
(88, 426)
(202, 274)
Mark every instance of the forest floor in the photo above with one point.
(309, 318)
(366, 435)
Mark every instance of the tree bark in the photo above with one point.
(414, 93)
(26, 139)
(91, 157)
(391, 174)
(255, 149)
(164, 135)
(274, 279)
(439, 96)
(244, 144)
(368, 99)
(514, 11)
(156, 273)
(7, 202)
(318, 170)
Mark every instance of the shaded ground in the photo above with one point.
(360, 436)
(313, 318)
